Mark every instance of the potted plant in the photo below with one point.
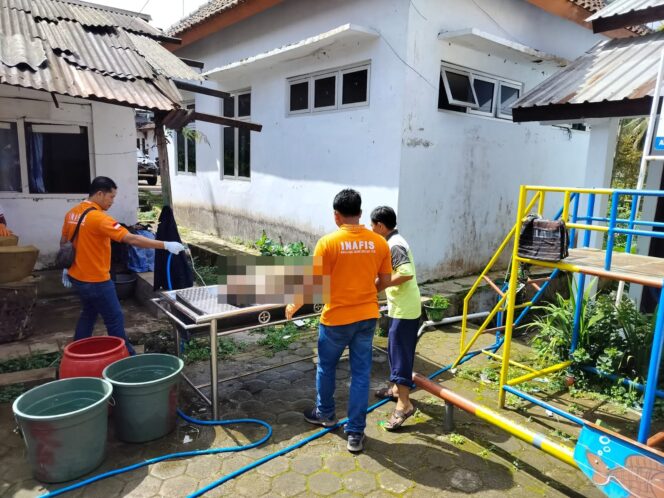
(436, 307)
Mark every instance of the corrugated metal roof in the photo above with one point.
(614, 70)
(88, 54)
(621, 7)
(205, 11)
(597, 5)
(86, 15)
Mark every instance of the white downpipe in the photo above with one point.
(451, 319)
(647, 147)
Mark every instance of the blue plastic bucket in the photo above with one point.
(145, 389)
(64, 425)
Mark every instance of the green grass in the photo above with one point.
(277, 337)
(10, 393)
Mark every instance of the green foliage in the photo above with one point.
(199, 349)
(38, 360)
(614, 338)
(269, 247)
(439, 301)
(10, 393)
(209, 274)
(277, 337)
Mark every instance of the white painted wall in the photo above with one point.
(300, 162)
(37, 218)
(460, 173)
(454, 178)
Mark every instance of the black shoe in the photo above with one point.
(313, 417)
(355, 442)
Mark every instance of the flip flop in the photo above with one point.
(385, 393)
(397, 419)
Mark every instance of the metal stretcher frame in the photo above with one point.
(167, 303)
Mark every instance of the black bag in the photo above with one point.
(67, 253)
(543, 239)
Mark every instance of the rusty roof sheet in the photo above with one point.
(84, 51)
(204, 12)
(615, 70)
(622, 7)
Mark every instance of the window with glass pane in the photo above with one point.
(484, 91)
(58, 159)
(324, 91)
(229, 107)
(460, 89)
(229, 151)
(354, 87)
(299, 96)
(244, 152)
(181, 151)
(10, 168)
(508, 96)
(191, 154)
(244, 105)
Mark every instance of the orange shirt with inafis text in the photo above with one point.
(353, 256)
(93, 242)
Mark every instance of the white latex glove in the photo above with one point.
(65, 279)
(173, 247)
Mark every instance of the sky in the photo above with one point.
(164, 13)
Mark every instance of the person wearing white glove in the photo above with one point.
(65, 278)
(173, 247)
(89, 274)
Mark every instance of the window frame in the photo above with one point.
(312, 100)
(299, 81)
(21, 123)
(192, 126)
(462, 103)
(497, 80)
(353, 69)
(236, 139)
(501, 84)
(338, 73)
(494, 101)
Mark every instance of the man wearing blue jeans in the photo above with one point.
(353, 258)
(91, 230)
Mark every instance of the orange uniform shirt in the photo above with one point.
(353, 256)
(93, 242)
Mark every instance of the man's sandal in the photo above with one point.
(385, 393)
(397, 419)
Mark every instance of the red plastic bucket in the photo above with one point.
(88, 357)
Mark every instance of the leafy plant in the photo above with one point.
(199, 349)
(269, 247)
(439, 301)
(37, 360)
(277, 337)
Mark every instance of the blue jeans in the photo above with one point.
(332, 341)
(401, 343)
(99, 298)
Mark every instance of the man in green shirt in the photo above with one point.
(404, 309)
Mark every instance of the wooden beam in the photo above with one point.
(633, 18)
(222, 20)
(235, 123)
(164, 169)
(191, 87)
(579, 112)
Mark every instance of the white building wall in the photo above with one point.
(298, 163)
(460, 173)
(37, 218)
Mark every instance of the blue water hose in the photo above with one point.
(247, 467)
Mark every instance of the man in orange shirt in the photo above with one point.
(353, 257)
(4, 231)
(90, 272)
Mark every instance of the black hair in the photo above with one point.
(348, 202)
(103, 184)
(384, 215)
